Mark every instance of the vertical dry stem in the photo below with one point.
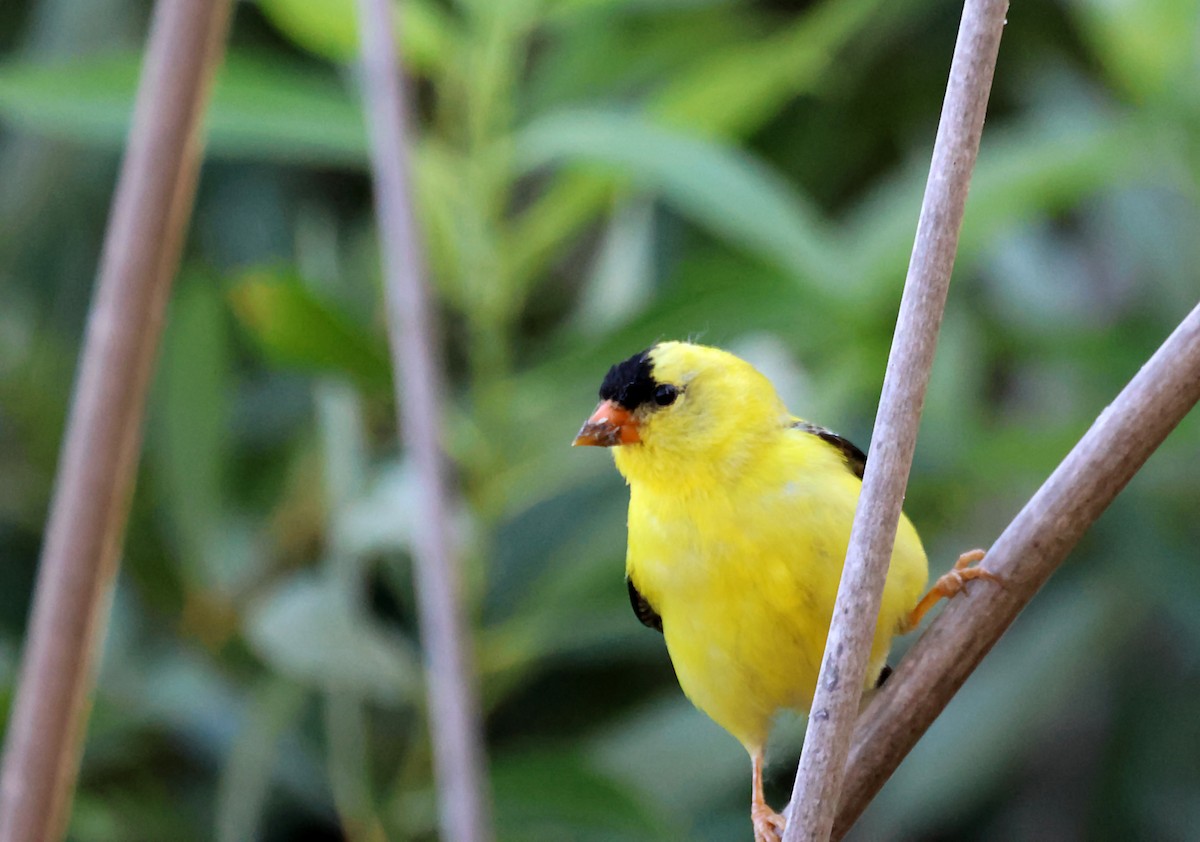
(453, 699)
(99, 458)
(827, 742)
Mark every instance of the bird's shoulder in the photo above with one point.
(853, 456)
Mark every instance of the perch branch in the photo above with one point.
(98, 462)
(452, 694)
(1025, 554)
(839, 687)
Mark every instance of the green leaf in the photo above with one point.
(1039, 167)
(329, 28)
(245, 782)
(622, 276)
(295, 328)
(189, 447)
(716, 186)
(567, 8)
(306, 630)
(595, 54)
(1149, 46)
(730, 93)
(260, 109)
(558, 796)
(706, 763)
(735, 91)
(440, 196)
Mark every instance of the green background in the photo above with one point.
(593, 175)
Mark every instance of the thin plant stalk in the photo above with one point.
(453, 699)
(98, 462)
(839, 686)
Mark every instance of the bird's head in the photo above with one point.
(680, 408)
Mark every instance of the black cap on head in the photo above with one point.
(630, 383)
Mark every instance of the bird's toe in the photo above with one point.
(768, 825)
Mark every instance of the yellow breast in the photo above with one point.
(744, 575)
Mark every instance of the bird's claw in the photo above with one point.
(951, 584)
(768, 825)
(956, 580)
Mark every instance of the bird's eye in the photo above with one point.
(665, 395)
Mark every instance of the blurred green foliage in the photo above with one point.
(593, 175)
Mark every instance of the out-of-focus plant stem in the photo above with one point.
(1024, 556)
(494, 302)
(847, 649)
(346, 726)
(463, 803)
(98, 461)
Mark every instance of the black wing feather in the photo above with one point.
(856, 460)
(641, 607)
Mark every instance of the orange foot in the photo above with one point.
(768, 825)
(951, 584)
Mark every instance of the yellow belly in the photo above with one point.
(745, 582)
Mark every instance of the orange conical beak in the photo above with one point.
(611, 424)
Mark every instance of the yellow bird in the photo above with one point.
(739, 519)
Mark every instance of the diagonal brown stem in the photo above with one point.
(1026, 553)
(98, 462)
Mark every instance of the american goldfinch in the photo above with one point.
(739, 519)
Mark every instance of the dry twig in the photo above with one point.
(1025, 554)
(98, 462)
(827, 741)
(453, 698)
